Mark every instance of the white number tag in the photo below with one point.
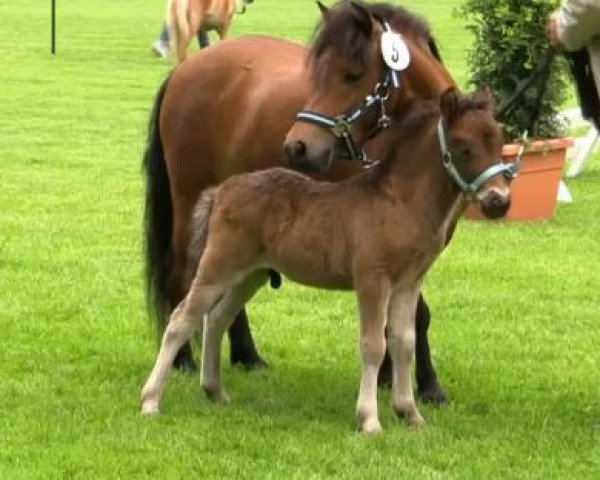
(394, 50)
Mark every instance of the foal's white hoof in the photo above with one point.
(415, 420)
(371, 426)
(150, 408)
(410, 413)
(217, 395)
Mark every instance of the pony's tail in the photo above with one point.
(179, 28)
(158, 219)
(199, 231)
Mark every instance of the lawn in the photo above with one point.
(515, 306)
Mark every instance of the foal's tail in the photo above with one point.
(199, 231)
(179, 27)
(158, 218)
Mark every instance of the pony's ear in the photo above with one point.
(449, 103)
(363, 18)
(323, 8)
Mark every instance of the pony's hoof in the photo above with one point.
(251, 361)
(384, 378)
(185, 364)
(433, 394)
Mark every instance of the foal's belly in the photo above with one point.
(320, 263)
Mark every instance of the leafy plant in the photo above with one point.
(510, 43)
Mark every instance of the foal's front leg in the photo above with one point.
(373, 298)
(401, 345)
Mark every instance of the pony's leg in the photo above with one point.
(373, 299)
(401, 344)
(184, 321)
(243, 349)
(428, 385)
(384, 377)
(216, 322)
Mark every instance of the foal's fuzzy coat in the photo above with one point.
(377, 233)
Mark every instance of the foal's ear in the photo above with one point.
(363, 18)
(484, 98)
(449, 103)
(323, 8)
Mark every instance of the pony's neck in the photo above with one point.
(431, 79)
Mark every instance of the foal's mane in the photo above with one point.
(421, 116)
(341, 29)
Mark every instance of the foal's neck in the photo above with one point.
(412, 171)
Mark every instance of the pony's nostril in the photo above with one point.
(295, 150)
(299, 148)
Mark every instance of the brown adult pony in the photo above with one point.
(376, 233)
(227, 110)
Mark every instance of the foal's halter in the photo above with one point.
(340, 125)
(508, 170)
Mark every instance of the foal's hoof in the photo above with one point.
(217, 395)
(370, 427)
(415, 420)
(433, 393)
(149, 408)
(410, 414)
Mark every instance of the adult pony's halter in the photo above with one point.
(340, 126)
(508, 170)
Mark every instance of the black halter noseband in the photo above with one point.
(340, 126)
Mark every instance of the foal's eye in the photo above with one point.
(352, 77)
(464, 152)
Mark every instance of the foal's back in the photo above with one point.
(290, 222)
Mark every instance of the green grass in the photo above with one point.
(515, 306)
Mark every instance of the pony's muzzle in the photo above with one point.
(299, 156)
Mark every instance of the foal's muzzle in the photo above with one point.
(494, 204)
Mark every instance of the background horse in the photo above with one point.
(378, 232)
(227, 110)
(186, 17)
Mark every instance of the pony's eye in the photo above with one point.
(352, 77)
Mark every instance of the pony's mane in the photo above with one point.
(341, 29)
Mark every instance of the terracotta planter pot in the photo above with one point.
(535, 190)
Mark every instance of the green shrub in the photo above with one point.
(510, 39)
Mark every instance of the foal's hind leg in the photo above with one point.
(215, 325)
(401, 344)
(184, 321)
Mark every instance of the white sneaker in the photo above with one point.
(161, 49)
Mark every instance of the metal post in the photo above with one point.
(53, 28)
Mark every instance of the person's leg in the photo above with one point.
(162, 46)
